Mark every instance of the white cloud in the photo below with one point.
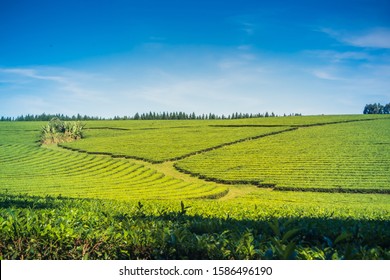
(321, 74)
(51, 90)
(327, 73)
(65, 80)
(373, 38)
(337, 56)
(378, 38)
(245, 24)
(32, 73)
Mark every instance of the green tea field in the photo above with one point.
(302, 187)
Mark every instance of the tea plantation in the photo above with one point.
(313, 187)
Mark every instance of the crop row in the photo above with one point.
(35, 170)
(279, 121)
(158, 141)
(348, 156)
(159, 145)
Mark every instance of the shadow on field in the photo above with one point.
(34, 227)
(199, 237)
(23, 201)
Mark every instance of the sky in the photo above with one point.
(117, 57)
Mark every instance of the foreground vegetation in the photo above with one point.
(94, 200)
(59, 228)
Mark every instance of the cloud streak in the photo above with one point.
(245, 23)
(32, 73)
(326, 74)
(374, 38)
(64, 80)
(50, 90)
(378, 38)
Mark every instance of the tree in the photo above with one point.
(386, 109)
(376, 108)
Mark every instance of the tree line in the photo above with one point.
(377, 108)
(48, 117)
(143, 116)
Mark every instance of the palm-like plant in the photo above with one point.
(57, 131)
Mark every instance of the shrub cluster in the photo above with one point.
(58, 131)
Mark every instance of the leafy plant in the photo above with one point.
(57, 131)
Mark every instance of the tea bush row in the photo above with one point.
(58, 228)
(347, 156)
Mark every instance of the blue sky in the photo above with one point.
(107, 58)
